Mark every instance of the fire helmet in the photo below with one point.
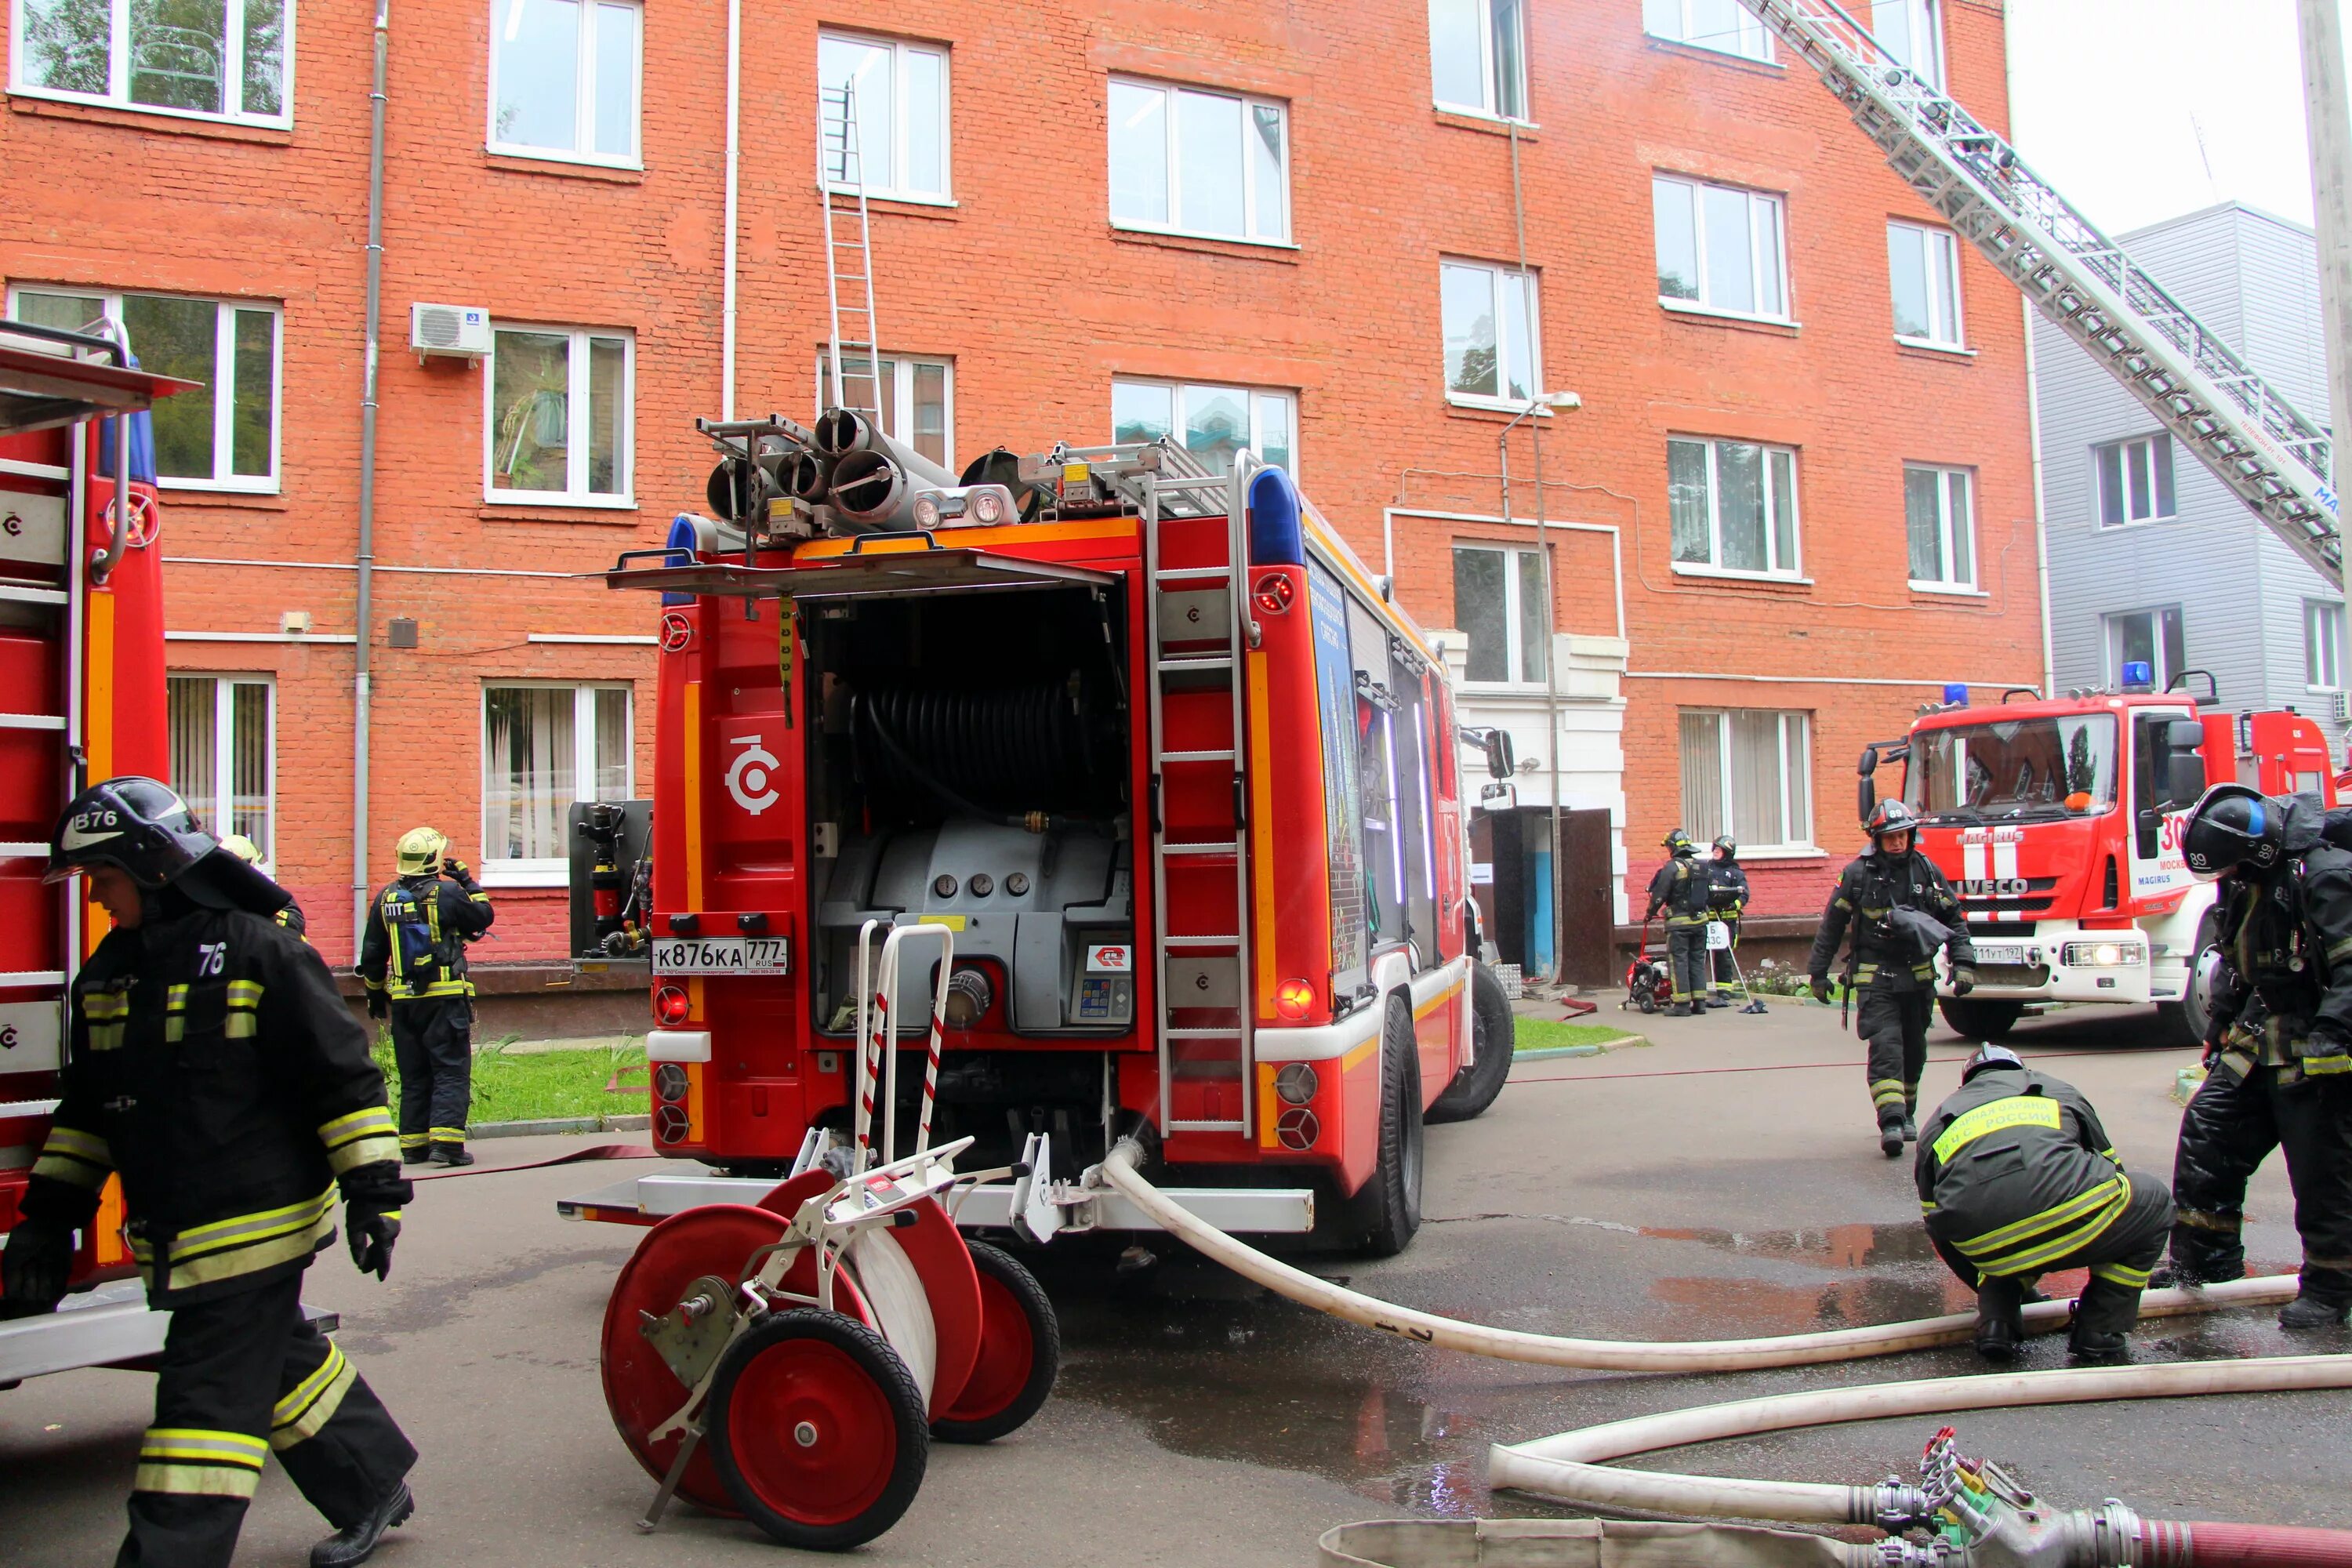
(133, 823)
(1679, 844)
(1992, 1057)
(1891, 816)
(1729, 845)
(2232, 828)
(420, 852)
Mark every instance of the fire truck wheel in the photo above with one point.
(2184, 1022)
(1388, 1211)
(817, 1429)
(1020, 1354)
(1972, 1019)
(1473, 1088)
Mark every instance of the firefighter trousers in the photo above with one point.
(433, 1042)
(1726, 970)
(2119, 1259)
(2229, 1129)
(1894, 1025)
(242, 1376)
(1687, 955)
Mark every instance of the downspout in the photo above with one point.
(1551, 595)
(364, 558)
(734, 135)
(2032, 394)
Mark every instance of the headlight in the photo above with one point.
(2102, 955)
(927, 511)
(1295, 1083)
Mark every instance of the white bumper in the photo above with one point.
(2057, 960)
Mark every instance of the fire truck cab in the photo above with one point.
(2058, 823)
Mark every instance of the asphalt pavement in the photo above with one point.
(1724, 1180)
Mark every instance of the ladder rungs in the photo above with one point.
(1201, 940)
(1194, 574)
(1176, 1126)
(1231, 1034)
(1206, 661)
(1224, 847)
(1223, 757)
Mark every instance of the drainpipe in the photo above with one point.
(734, 129)
(2032, 386)
(365, 559)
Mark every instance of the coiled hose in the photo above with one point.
(1007, 754)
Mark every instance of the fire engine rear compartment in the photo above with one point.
(972, 764)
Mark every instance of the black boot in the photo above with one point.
(1999, 1339)
(1717, 999)
(2307, 1312)
(1679, 1010)
(451, 1154)
(356, 1543)
(2094, 1349)
(415, 1156)
(1890, 1139)
(1910, 1129)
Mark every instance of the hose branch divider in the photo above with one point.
(1119, 1169)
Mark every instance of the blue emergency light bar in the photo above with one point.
(2139, 675)
(1957, 692)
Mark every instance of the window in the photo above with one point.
(1213, 422)
(2146, 637)
(221, 434)
(2134, 480)
(1724, 26)
(1749, 773)
(559, 423)
(543, 749)
(900, 92)
(1199, 162)
(1718, 248)
(917, 399)
(222, 753)
(1734, 507)
(217, 60)
(567, 77)
(1942, 527)
(1923, 265)
(1477, 57)
(1492, 340)
(1498, 604)
(2323, 645)
(1912, 32)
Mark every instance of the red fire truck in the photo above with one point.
(1154, 748)
(2059, 823)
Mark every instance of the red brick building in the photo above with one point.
(1796, 500)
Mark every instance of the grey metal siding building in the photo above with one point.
(2149, 555)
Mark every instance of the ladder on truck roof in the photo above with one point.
(841, 191)
(2199, 388)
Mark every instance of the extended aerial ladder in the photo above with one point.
(849, 292)
(2198, 387)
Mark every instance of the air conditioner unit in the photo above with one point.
(457, 330)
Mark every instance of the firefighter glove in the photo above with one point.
(1821, 989)
(456, 871)
(372, 1232)
(379, 1004)
(32, 1268)
(1964, 979)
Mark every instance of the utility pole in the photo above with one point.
(2328, 116)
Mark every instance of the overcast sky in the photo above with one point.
(2110, 98)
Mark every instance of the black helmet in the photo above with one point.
(1679, 843)
(1729, 845)
(133, 823)
(2232, 828)
(1992, 1057)
(1891, 816)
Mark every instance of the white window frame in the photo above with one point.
(575, 492)
(900, 416)
(2124, 450)
(1250, 394)
(583, 128)
(225, 378)
(117, 68)
(894, 189)
(222, 820)
(1513, 641)
(1492, 108)
(553, 872)
(1949, 581)
(1802, 722)
(2323, 645)
(1778, 571)
(1174, 153)
(2110, 626)
(1497, 275)
(1702, 306)
(1926, 19)
(1944, 249)
(1751, 32)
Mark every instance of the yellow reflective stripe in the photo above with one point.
(241, 1026)
(176, 1026)
(1841, 901)
(363, 1151)
(105, 1004)
(245, 993)
(448, 1135)
(2034, 1225)
(414, 1139)
(1927, 1207)
(250, 1227)
(2017, 1110)
(355, 1124)
(76, 1144)
(203, 1444)
(2048, 1252)
(248, 1258)
(107, 1037)
(196, 1480)
(64, 1168)
(175, 1000)
(300, 1416)
(2122, 1273)
(2339, 949)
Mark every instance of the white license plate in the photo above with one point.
(722, 955)
(2012, 952)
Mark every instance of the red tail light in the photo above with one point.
(1273, 593)
(1293, 999)
(671, 1007)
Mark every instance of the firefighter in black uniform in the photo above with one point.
(216, 1072)
(2278, 1046)
(413, 960)
(2016, 1179)
(247, 850)
(1728, 895)
(1680, 889)
(1901, 911)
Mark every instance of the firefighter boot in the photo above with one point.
(355, 1543)
(2307, 1312)
(1891, 1121)
(1717, 999)
(2000, 1323)
(1679, 1010)
(1910, 1130)
(451, 1154)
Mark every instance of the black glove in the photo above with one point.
(379, 1004)
(1821, 989)
(456, 870)
(1964, 979)
(32, 1268)
(372, 1232)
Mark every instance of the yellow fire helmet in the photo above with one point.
(420, 851)
(247, 850)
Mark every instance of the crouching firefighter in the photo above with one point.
(1680, 888)
(216, 1072)
(2016, 1179)
(2278, 1044)
(1901, 911)
(412, 961)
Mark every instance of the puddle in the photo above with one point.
(1836, 1246)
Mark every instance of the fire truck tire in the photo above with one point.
(2184, 1022)
(1387, 1212)
(1020, 1354)
(1972, 1019)
(817, 1430)
(1473, 1088)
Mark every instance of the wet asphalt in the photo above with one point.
(1722, 1181)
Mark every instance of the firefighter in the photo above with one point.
(1680, 889)
(247, 850)
(2278, 1047)
(1726, 897)
(412, 961)
(2016, 1179)
(216, 1072)
(1901, 911)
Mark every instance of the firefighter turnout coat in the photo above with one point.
(2014, 1171)
(418, 927)
(216, 1070)
(1872, 888)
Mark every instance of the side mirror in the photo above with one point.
(2185, 735)
(2185, 777)
(1502, 755)
(1867, 792)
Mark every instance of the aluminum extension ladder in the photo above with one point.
(841, 192)
(2199, 388)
